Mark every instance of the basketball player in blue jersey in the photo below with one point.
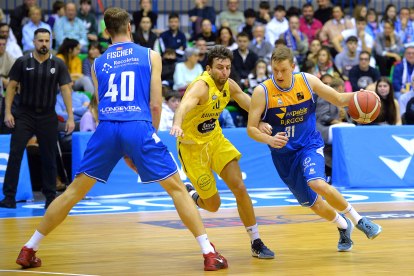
(127, 79)
(286, 103)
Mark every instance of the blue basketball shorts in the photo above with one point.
(300, 167)
(137, 139)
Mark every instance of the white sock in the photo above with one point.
(203, 241)
(350, 212)
(35, 241)
(340, 222)
(253, 232)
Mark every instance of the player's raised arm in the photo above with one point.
(197, 93)
(257, 107)
(238, 95)
(156, 89)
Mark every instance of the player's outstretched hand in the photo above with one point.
(176, 131)
(130, 164)
(278, 141)
(265, 128)
(375, 94)
(70, 126)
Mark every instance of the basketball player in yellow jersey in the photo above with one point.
(203, 148)
(286, 102)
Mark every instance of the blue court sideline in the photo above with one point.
(164, 203)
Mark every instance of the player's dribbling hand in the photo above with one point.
(130, 164)
(176, 131)
(9, 120)
(375, 94)
(278, 141)
(265, 128)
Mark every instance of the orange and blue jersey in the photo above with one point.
(292, 111)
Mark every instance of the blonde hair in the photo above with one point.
(32, 9)
(116, 21)
(282, 53)
(337, 82)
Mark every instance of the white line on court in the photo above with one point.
(41, 272)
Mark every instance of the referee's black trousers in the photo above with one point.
(44, 126)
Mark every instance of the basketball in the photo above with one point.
(364, 107)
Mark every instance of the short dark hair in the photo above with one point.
(169, 51)
(97, 45)
(172, 94)
(326, 76)
(3, 37)
(279, 8)
(264, 5)
(218, 52)
(307, 5)
(85, 2)
(404, 8)
(3, 24)
(41, 30)
(57, 6)
(352, 38)
(364, 52)
(173, 15)
(243, 34)
(361, 19)
(280, 41)
(249, 13)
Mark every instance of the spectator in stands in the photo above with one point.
(333, 27)
(248, 26)
(257, 75)
(404, 98)
(35, 15)
(390, 13)
(404, 27)
(11, 47)
(309, 67)
(293, 11)
(325, 64)
(90, 119)
(89, 20)
(314, 48)
(185, 72)
(277, 26)
(243, 59)
(373, 26)
(404, 73)
(409, 113)
(143, 35)
(199, 13)
(345, 61)
(295, 39)
(169, 59)
(226, 120)
(11, 35)
(68, 52)
(263, 16)
(329, 115)
(390, 110)
(146, 10)
(69, 26)
(309, 25)
(363, 74)
(225, 38)
(80, 103)
(171, 103)
(173, 38)
(281, 43)
(232, 18)
(95, 50)
(259, 45)
(387, 48)
(6, 63)
(201, 45)
(323, 13)
(359, 11)
(58, 10)
(365, 41)
(206, 34)
(20, 17)
(327, 79)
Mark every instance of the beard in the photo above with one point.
(42, 50)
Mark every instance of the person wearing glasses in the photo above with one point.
(363, 74)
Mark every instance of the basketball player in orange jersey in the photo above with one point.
(286, 102)
(202, 147)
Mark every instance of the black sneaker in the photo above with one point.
(189, 187)
(260, 250)
(8, 203)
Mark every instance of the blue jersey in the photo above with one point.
(292, 111)
(124, 77)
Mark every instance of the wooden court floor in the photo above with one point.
(121, 244)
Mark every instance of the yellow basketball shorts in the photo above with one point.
(200, 160)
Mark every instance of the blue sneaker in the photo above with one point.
(260, 250)
(370, 229)
(345, 243)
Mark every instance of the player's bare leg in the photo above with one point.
(331, 195)
(211, 204)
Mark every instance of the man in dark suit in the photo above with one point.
(243, 59)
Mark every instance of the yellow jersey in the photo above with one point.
(200, 124)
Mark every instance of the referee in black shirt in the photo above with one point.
(39, 74)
